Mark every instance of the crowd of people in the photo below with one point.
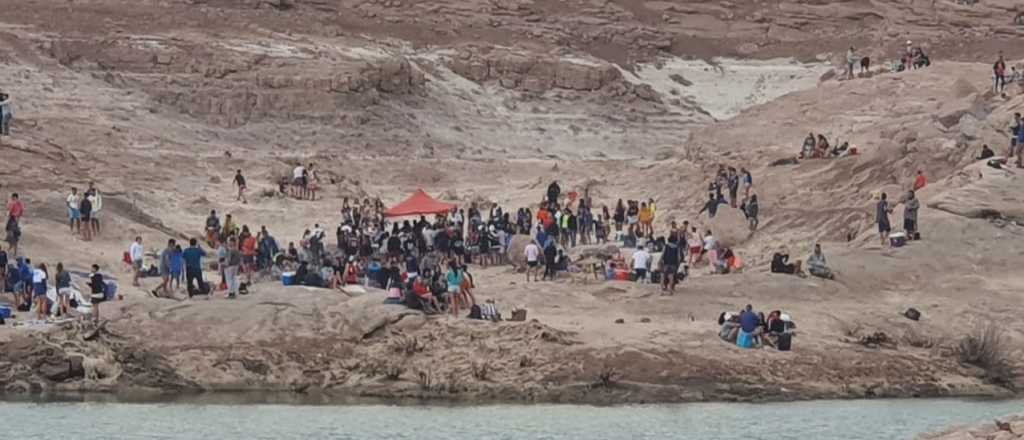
(750, 329)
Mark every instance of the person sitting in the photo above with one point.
(562, 262)
(723, 260)
(750, 328)
(421, 288)
(817, 266)
(730, 327)
(986, 153)
(808, 148)
(841, 149)
(781, 264)
(823, 147)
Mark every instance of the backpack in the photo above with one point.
(785, 342)
(474, 312)
(203, 288)
(912, 314)
(110, 290)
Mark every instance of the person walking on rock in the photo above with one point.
(240, 183)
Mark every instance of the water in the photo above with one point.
(819, 420)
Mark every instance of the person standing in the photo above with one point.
(240, 183)
(910, 207)
(748, 182)
(136, 252)
(553, 192)
(166, 257)
(85, 212)
(670, 259)
(94, 197)
(999, 74)
(233, 260)
(193, 257)
(73, 202)
(39, 287)
(751, 209)
(3, 269)
(15, 210)
(97, 289)
(6, 114)
(641, 263)
(550, 261)
(63, 284)
(882, 211)
(711, 206)
(851, 60)
(532, 252)
(213, 229)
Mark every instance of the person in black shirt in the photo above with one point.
(670, 258)
(98, 291)
(85, 213)
(240, 183)
(711, 206)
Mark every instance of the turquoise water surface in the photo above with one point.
(816, 420)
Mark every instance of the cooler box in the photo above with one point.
(5, 312)
(898, 239)
(622, 275)
(288, 278)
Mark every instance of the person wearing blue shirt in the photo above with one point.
(750, 327)
(177, 265)
(193, 259)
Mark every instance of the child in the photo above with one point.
(177, 266)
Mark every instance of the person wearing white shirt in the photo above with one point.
(74, 200)
(641, 264)
(136, 252)
(532, 252)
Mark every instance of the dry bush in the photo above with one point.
(453, 384)
(425, 379)
(482, 370)
(393, 371)
(850, 329)
(989, 349)
(526, 361)
(407, 345)
(916, 339)
(608, 376)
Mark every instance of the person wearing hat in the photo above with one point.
(730, 327)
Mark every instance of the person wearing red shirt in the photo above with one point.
(249, 256)
(422, 291)
(15, 209)
(920, 181)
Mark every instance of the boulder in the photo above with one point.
(517, 250)
(729, 226)
(599, 251)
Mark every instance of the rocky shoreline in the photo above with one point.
(1011, 428)
(388, 352)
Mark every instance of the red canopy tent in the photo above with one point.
(419, 203)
